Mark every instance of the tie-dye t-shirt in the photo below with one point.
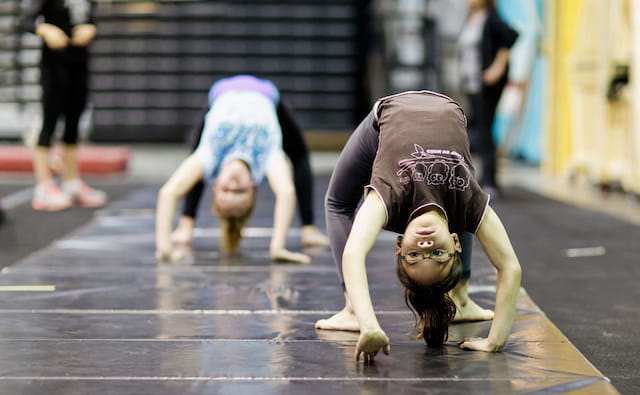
(423, 160)
(241, 124)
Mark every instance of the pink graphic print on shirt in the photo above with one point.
(435, 167)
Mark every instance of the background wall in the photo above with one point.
(571, 106)
(153, 61)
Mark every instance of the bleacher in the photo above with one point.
(153, 61)
(19, 90)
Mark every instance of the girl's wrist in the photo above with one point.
(43, 29)
(369, 325)
(494, 343)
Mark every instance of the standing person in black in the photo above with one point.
(485, 42)
(67, 27)
(295, 148)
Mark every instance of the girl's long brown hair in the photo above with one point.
(232, 225)
(432, 307)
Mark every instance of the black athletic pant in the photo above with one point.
(296, 149)
(483, 111)
(65, 85)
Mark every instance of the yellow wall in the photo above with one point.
(632, 183)
(587, 134)
(561, 17)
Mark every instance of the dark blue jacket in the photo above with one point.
(496, 35)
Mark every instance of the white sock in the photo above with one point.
(71, 185)
(41, 186)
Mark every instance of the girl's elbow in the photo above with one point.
(515, 271)
(511, 270)
(167, 192)
(350, 254)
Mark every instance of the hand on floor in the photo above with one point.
(370, 343)
(478, 344)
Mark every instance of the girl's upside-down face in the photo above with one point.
(427, 248)
(234, 189)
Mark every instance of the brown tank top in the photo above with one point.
(423, 160)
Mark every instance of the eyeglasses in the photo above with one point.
(414, 257)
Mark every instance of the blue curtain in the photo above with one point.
(518, 126)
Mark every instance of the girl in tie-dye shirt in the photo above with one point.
(240, 146)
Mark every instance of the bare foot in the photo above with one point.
(344, 320)
(283, 255)
(311, 236)
(182, 236)
(184, 232)
(470, 311)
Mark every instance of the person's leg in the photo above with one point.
(78, 88)
(467, 309)
(466, 240)
(473, 100)
(183, 234)
(483, 139)
(346, 188)
(192, 200)
(70, 162)
(489, 103)
(53, 85)
(41, 169)
(47, 195)
(296, 149)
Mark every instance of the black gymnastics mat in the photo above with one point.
(107, 318)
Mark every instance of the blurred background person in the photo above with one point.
(241, 144)
(484, 44)
(293, 145)
(67, 28)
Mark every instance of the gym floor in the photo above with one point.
(86, 308)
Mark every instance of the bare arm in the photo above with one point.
(52, 35)
(498, 67)
(83, 35)
(187, 174)
(281, 183)
(495, 242)
(367, 225)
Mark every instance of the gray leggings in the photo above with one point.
(346, 189)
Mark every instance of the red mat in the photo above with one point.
(91, 159)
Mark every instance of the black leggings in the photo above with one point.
(483, 111)
(346, 188)
(64, 92)
(296, 149)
